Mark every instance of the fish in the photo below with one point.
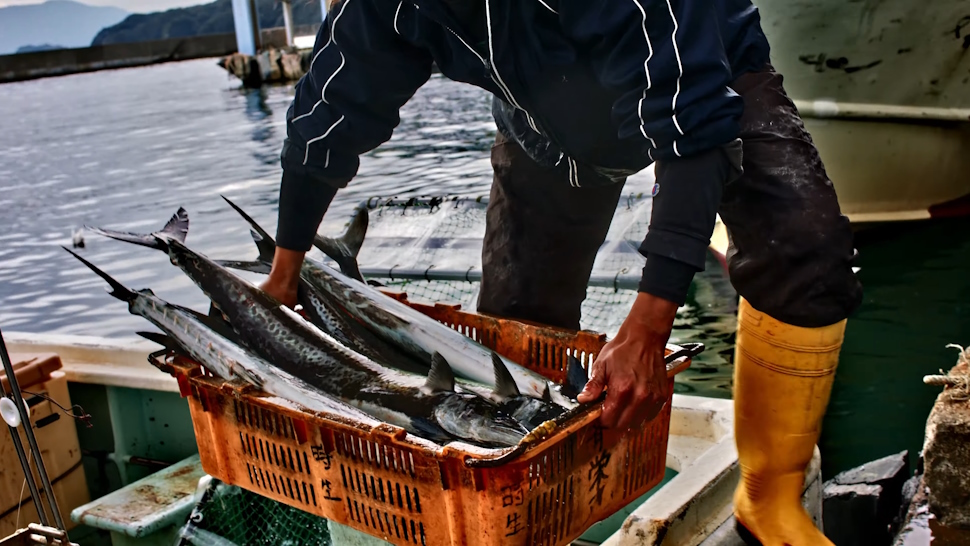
(329, 314)
(344, 249)
(426, 407)
(209, 343)
(404, 327)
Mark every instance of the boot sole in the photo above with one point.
(746, 536)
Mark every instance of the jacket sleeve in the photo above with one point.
(665, 61)
(347, 104)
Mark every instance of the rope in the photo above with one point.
(958, 385)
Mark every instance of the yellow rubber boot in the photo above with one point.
(782, 380)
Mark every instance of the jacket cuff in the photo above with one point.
(303, 202)
(666, 278)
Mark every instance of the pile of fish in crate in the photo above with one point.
(418, 424)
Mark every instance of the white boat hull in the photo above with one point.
(884, 88)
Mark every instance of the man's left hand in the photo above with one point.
(631, 366)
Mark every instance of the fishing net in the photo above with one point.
(431, 249)
(233, 516)
(603, 311)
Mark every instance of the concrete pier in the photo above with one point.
(61, 62)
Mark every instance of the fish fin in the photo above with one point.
(214, 312)
(215, 321)
(141, 239)
(576, 377)
(264, 241)
(440, 378)
(253, 267)
(162, 339)
(344, 249)
(118, 290)
(547, 394)
(176, 228)
(505, 386)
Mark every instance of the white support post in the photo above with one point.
(323, 10)
(246, 21)
(288, 21)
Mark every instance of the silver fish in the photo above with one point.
(400, 325)
(429, 408)
(198, 336)
(327, 313)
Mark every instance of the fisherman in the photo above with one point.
(587, 93)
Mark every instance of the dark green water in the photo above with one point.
(916, 277)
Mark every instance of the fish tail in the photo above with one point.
(118, 290)
(576, 378)
(344, 249)
(176, 228)
(264, 241)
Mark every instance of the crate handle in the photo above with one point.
(677, 361)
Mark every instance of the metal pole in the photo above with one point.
(288, 21)
(257, 33)
(28, 475)
(31, 439)
(246, 24)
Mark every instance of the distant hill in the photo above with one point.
(41, 47)
(67, 23)
(213, 18)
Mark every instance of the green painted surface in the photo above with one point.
(151, 425)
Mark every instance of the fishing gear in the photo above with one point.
(14, 417)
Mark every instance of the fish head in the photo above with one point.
(470, 417)
(530, 411)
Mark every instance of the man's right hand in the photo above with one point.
(284, 279)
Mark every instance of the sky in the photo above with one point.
(135, 6)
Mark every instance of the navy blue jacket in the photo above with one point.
(606, 86)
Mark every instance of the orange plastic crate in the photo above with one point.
(385, 483)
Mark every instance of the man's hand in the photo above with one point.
(631, 366)
(284, 279)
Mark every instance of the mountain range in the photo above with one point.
(212, 18)
(66, 23)
(62, 22)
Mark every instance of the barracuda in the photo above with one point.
(199, 337)
(429, 408)
(333, 317)
(401, 326)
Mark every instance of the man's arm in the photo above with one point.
(362, 72)
(666, 61)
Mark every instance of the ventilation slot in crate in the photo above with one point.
(585, 358)
(391, 525)
(294, 489)
(271, 453)
(550, 513)
(641, 462)
(551, 465)
(376, 455)
(266, 421)
(388, 492)
(547, 355)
